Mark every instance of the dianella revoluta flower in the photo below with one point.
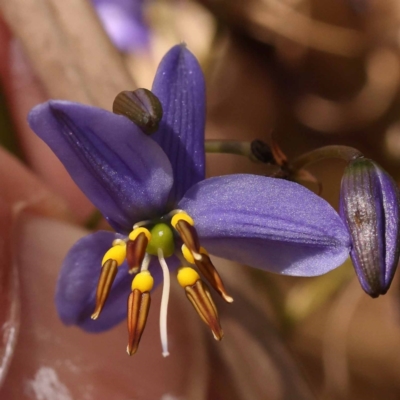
(166, 216)
(123, 20)
(369, 206)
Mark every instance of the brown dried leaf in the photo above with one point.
(72, 56)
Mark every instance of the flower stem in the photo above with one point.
(344, 152)
(256, 150)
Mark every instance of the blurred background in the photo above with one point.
(307, 72)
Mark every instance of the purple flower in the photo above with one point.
(152, 191)
(369, 206)
(124, 23)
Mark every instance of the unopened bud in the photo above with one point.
(142, 107)
(369, 206)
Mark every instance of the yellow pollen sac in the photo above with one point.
(181, 216)
(187, 276)
(136, 232)
(187, 254)
(143, 281)
(117, 253)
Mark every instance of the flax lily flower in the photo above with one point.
(152, 191)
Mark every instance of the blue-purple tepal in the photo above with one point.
(369, 206)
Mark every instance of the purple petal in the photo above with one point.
(77, 283)
(390, 203)
(123, 172)
(267, 223)
(179, 84)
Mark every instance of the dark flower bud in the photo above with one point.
(369, 206)
(142, 107)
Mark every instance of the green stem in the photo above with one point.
(229, 147)
(344, 152)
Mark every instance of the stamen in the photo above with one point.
(173, 212)
(136, 248)
(208, 270)
(184, 224)
(146, 262)
(199, 295)
(119, 242)
(142, 223)
(136, 232)
(187, 254)
(164, 304)
(181, 216)
(138, 309)
(107, 276)
(117, 253)
(113, 258)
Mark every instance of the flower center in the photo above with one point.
(162, 238)
(149, 239)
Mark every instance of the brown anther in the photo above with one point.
(107, 276)
(200, 297)
(138, 310)
(208, 270)
(135, 252)
(188, 235)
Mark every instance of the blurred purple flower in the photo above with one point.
(267, 223)
(124, 23)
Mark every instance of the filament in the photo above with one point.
(146, 262)
(173, 212)
(164, 304)
(142, 223)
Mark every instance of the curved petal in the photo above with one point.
(267, 223)
(179, 84)
(122, 171)
(77, 283)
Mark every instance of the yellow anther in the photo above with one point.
(181, 216)
(143, 281)
(117, 253)
(187, 254)
(187, 276)
(136, 232)
(203, 251)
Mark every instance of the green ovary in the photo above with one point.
(162, 238)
